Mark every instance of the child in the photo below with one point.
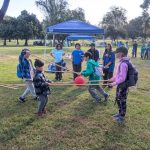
(27, 74)
(119, 80)
(108, 63)
(77, 57)
(142, 51)
(90, 72)
(58, 54)
(41, 87)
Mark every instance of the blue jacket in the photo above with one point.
(26, 68)
(109, 57)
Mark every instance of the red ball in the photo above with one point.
(79, 81)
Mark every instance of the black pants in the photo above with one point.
(134, 53)
(121, 99)
(58, 74)
(107, 75)
(76, 68)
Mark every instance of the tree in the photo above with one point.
(135, 28)
(146, 17)
(28, 26)
(115, 23)
(57, 11)
(7, 28)
(4, 9)
(54, 10)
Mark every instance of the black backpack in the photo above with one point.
(132, 75)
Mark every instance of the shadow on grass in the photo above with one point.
(12, 132)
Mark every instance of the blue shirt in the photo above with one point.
(77, 56)
(58, 55)
(109, 57)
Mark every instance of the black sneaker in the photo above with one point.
(106, 97)
(21, 100)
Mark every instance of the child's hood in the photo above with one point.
(93, 62)
(125, 58)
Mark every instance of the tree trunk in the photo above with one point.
(17, 41)
(26, 42)
(9, 40)
(4, 9)
(5, 42)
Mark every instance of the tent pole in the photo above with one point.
(53, 40)
(104, 39)
(45, 47)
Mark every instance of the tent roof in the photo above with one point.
(74, 26)
(80, 37)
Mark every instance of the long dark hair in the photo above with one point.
(109, 46)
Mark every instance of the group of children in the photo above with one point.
(42, 90)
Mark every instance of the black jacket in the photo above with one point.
(95, 54)
(41, 84)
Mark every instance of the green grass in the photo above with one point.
(73, 122)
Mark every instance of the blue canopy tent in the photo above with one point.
(74, 26)
(80, 37)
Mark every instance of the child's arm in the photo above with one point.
(89, 70)
(122, 75)
(39, 83)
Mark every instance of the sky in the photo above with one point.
(94, 9)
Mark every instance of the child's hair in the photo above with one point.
(38, 63)
(88, 54)
(110, 46)
(58, 46)
(25, 50)
(77, 44)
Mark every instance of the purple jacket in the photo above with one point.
(121, 72)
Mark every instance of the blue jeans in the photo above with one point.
(43, 99)
(93, 91)
(29, 89)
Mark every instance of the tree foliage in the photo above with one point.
(146, 17)
(57, 11)
(135, 28)
(25, 26)
(7, 28)
(115, 23)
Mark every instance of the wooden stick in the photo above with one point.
(55, 64)
(9, 87)
(55, 84)
(76, 84)
(61, 72)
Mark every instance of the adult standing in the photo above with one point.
(108, 63)
(134, 50)
(94, 52)
(127, 45)
(58, 54)
(27, 74)
(77, 58)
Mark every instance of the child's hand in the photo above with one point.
(79, 74)
(110, 85)
(50, 83)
